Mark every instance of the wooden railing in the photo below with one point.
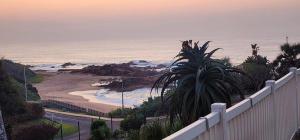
(273, 113)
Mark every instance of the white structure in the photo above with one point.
(2, 129)
(273, 113)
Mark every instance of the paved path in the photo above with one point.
(84, 121)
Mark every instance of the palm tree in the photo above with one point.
(199, 81)
(289, 57)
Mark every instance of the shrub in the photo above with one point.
(132, 122)
(153, 131)
(119, 134)
(35, 110)
(99, 130)
(36, 132)
(159, 129)
(119, 113)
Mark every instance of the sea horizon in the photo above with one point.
(121, 51)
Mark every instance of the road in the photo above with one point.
(84, 121)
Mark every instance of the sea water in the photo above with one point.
(119, 51)
(105, 96)
(50, 56)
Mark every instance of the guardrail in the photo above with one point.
(272, 113)
(72, 107)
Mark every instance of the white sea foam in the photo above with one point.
(56, 67)
(105, 96)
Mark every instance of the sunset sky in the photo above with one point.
(27, 21)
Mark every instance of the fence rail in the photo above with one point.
(272, 113)
(72, 107)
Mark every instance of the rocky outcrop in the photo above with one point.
(130, 84)
(124, 69)
(67, 64)
(132, 77)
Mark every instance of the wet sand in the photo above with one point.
(58, 85)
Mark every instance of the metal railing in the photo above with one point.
(272, 113)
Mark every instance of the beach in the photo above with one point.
(58, 85)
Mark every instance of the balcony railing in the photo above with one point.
(272, 113)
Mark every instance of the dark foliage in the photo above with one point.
(16, 70)
(200, 81)
(99, 130)
(289, 57)
(11, 101)
(258, 68)
(132, 122)
(36, 132)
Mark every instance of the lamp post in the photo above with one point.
(122, 95)
(25, 83)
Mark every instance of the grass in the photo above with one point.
(36, 79)
(32, 96)
(68, 129)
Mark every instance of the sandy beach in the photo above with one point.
(58, 85)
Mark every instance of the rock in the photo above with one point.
(123, 69)
(130, 84)
(67, 64)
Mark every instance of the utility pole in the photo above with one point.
(25, 83)
(122, 95)
(287, 39)
(78, 125)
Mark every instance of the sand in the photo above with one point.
(58, 85)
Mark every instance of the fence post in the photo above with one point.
(271, 84)
(78, 125)
(221, 108)
(294, 71)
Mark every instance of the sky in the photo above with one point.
(30, 21)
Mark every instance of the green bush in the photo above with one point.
(99, 130)
(132, 122)
(153, 131)
(36, 132)
(119, 113)
(159, 129)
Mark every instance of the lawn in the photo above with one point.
(68, 129)
(36, 79)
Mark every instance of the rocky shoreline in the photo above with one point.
(131, 75)
(126, 75)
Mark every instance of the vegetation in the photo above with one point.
(258, 68)
(289, 57)
(67, 129)
(16, 73)
(11, 101)
(99, 130)
(200, 81)
(36, 79)
(36, 132)
(132, 122)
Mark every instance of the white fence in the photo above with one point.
(272, 113)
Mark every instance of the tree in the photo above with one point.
(289, 57)
(258, 68)
(99, 130)
(132, 122)
(11, 101)
(199, 81)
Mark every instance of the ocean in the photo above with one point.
(50, 57)
(118, 51)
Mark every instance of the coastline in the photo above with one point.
(58, 85)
